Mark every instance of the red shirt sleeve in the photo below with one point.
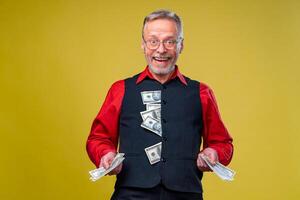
(215, 134)
(104, 134)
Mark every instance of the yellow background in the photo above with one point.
(59, 58)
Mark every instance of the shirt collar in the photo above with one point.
(176, 73)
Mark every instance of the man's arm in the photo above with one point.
(102, 141)
(217, 143)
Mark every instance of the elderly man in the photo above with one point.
(159, 118)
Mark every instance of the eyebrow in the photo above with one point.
(167, 38)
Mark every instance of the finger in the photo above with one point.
(211, 154)
(213, 158)
(101, 163)
(116, 170)
(106, 163)
(201, 164)
(201, 161)
(203, 169)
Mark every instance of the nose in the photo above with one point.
(161, 48)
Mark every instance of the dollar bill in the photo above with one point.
(97, 172)
(101, 171)
(151, 96)
(153, 153)
(153, 125)
(223, 172)
(155, 113)
(152, 106)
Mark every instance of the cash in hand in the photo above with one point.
(101, 171)
(223, 172)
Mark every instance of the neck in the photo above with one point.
(162, 78)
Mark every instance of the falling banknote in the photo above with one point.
(223, 172)
(152, 125)
(100, 172)
(151, 106)
(151, 97)
(155, 113)
(153, 153)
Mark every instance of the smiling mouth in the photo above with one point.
(161, 59)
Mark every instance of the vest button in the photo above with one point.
(163, 159)
(164, 120)
(164, 102)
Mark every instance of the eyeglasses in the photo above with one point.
(168, 44)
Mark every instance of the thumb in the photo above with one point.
(107, 162)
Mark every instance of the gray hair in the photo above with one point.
(164, 14)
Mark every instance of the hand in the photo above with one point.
(106, 161)
(212, 156)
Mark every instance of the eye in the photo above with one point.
(153, 42)
(170, 42)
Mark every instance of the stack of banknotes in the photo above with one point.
(152, 122)
(223, 172)
(100, 172)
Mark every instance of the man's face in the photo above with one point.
(161, 60)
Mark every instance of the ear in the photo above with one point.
(181, 46)
(143, 46)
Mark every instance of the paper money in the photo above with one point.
(223, 172)
(100, 172)
(151, 113)
(153, 153)
(153, 125)
(152, 106)
(151, 96)
(96, 173)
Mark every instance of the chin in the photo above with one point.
(161, 71)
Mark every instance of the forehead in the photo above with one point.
(160, 28)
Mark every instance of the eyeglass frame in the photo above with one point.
(163, 42)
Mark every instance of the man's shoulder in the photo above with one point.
(204, 86)
(117, 87)
(117, 84)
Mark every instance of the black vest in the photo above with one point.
(181, 119)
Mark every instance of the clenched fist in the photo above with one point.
(212, 156)
(106, 161)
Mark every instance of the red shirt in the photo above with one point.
(104, 133)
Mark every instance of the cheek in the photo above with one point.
(174, 55)
(148, 54)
